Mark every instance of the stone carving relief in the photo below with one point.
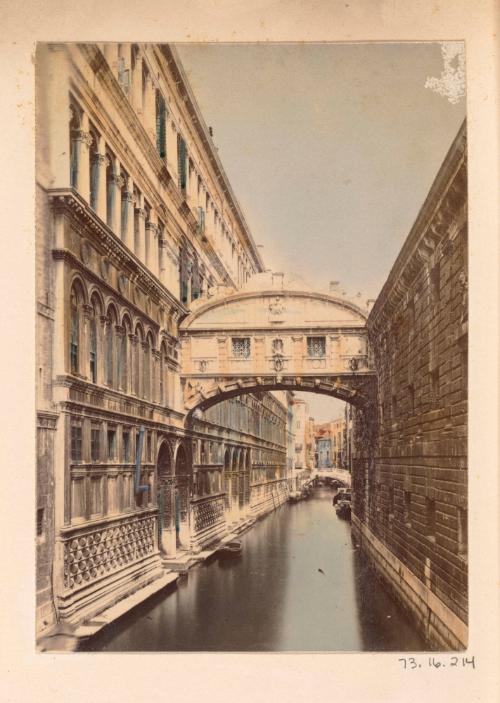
(276, 309)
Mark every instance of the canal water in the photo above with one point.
(301, 585)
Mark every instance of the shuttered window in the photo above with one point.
(161, 122)
(182, 162)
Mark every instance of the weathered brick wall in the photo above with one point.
(413, 492)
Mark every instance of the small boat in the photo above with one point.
(230, 550)
(294, 496)
(343, 509)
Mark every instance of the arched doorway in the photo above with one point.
(165, 500)
(181, 500)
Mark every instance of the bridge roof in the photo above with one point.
(271, 303)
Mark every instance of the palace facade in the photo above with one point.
(135, 220)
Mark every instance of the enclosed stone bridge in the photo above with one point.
(275, 335)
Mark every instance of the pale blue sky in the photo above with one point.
(331, 150)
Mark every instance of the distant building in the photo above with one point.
(300, 410)
(333, 442)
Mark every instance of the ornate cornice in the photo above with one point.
(69, 203)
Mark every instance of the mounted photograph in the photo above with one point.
(251, 347)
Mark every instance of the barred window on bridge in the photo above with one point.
(316, 347)
(241, 347)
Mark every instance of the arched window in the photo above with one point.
(147, 367)
(110, 347)
(74, 343)
(162, 375)
(93, 359)
(123, 379)
(137, 365)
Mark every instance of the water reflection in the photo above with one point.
(301, 585)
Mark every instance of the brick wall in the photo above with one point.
(410, 466)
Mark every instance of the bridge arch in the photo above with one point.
(275, 335)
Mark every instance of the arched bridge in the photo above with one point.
(275, 337)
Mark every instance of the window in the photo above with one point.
(182, 162)
(111, 444)
(95, 444)
(430, 512)
(76, 443)
(39, 522)
(126, 445)
(122, 359)
(146, 386)
(149, 453)
(93, 347)
(95, 496)
(241, 347)
(74, 332)
(462, 532)
(110, 348)
(161, 121)
(316, 347)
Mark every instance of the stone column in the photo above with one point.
(152, 244)
(102, 163)
(83, 141)
(139, 245)
(116, 185)
(128, 201)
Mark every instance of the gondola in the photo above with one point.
(343, 509)
(230, 550)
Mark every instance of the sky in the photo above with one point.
(331, 149)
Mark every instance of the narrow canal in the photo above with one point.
(300, 585)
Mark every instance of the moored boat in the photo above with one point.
(343, 509)
(230, 550)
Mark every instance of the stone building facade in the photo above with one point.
(410, 459)
(135, 220)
